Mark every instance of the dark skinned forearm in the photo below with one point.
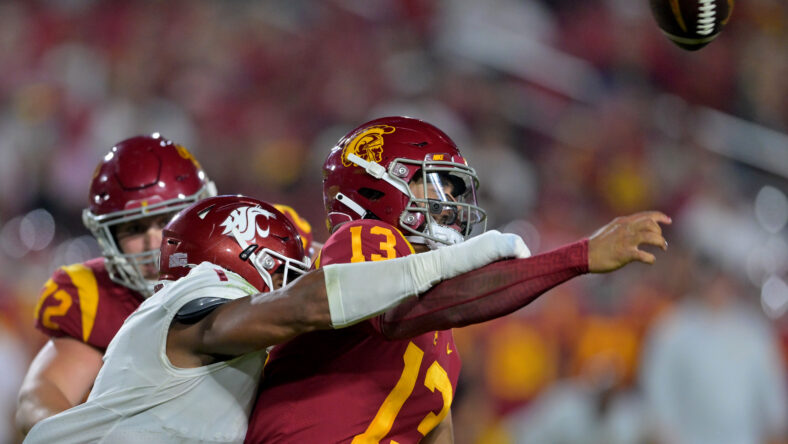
(253, 323)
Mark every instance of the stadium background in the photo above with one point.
(571, 112)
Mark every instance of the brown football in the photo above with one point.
(691, 24)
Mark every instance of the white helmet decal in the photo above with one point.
(242, 226)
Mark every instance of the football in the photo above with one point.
(691, 24)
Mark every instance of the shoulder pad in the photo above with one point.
(194, 311)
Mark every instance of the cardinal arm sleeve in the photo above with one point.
(484, 294)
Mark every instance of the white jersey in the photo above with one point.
(140, 397)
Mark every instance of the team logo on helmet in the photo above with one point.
(367, 144)
(242, 226)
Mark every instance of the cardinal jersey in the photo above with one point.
(139, 396)
(82, 302)
(352, 385)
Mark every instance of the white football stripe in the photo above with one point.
(706, 16)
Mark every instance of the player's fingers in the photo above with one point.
(658, 216)
(644, 257)
(647, 224)
(652, 238)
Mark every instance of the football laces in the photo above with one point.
(707, 11)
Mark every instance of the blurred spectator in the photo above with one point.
(597, 405)
(713, 371)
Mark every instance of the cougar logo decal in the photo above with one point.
(367, 144)
(242, 226)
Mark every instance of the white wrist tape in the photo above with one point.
(359, 291)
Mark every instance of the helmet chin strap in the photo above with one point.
(448, 236)
(350, 203)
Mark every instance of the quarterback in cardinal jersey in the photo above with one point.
(392, 187)
(341, 385)
(355, 385)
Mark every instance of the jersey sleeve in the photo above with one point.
(364, 240)
(68, 302)
(485, 293)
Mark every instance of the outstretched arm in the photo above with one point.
(503, 287)
(333, 297)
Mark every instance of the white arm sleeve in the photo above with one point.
(362, 290)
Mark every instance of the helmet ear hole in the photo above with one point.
(371, 194)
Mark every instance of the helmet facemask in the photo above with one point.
(265, 261)
(442, 208)
(126, 269)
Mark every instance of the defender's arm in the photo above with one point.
(335, 296)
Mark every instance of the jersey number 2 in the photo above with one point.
(60, 309)
(435, 378)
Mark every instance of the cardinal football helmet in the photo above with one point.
(371, 171)
(138, 178)
(244, 235)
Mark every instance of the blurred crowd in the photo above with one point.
(571, 112)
